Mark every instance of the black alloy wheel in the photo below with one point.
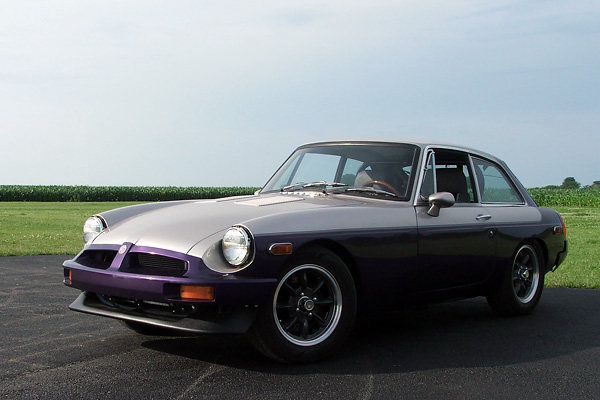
(312, 312)
(521, 287)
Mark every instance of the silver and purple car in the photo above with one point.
(341, 227)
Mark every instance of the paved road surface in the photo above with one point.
(455, 350)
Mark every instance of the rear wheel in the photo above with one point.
(312, 311)
(522, 284)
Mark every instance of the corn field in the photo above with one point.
(544, 197)
(116, 193)
(587, 197)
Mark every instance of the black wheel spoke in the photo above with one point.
(518, 287)
(287, 326)
(304, 280)
(305, 329)
(320, 321)
(284, 306)
(289, 287)
(319, 285)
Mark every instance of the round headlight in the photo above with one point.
(237, 245)
(92, 228)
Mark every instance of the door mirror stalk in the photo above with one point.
(440, 200)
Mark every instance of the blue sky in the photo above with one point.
(190, 93)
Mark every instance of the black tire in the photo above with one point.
(149, 330)
(522, 283)
(312, 311)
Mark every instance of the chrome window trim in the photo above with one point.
(422, 171)
(475, 180)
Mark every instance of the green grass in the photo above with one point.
(45, 228)
(581, 269)
(28, 228)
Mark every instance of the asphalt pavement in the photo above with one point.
(458, 350)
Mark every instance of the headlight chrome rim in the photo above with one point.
(92, 227)
(238, 246)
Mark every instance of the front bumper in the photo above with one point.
(116, 287)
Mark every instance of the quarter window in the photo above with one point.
(494, 185)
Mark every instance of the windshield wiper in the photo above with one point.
(325, 185)
(371, 190)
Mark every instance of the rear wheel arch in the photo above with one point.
(525, 270)
(543, 252)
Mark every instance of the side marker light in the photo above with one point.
(280, 249)
(68, 277)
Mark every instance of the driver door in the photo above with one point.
(456, 248)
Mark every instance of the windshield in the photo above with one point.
(363, 169)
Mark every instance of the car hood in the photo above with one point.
(178, 226)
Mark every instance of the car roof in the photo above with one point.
(419, 143)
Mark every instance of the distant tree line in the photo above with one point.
(571, 183)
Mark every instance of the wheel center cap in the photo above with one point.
(306, 304)
(309, 305)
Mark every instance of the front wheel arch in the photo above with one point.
(312, 311)
(338, 250)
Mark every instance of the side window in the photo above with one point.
(494, 185)
(455, 178)
(453, 174)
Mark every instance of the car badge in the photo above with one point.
(122, 249)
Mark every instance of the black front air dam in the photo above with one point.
(235, 320)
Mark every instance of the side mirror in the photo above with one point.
(439, 200)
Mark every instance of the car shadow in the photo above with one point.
(449, 335)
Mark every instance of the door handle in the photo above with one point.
(482, 217)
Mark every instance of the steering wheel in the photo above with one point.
(384, 184)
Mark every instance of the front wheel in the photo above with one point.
(522, 285)
(312, 310)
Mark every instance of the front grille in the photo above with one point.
(154, 264)
(156, 261)
(100, 259)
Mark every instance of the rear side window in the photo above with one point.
(494, 185)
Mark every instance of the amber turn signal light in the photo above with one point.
(68, 277)
(193, 292)
(279, 249)
(561, 229)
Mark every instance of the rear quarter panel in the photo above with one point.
(517, 224)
